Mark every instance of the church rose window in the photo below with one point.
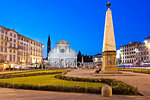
(62, 50)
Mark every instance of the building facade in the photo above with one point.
(16, 49)
(29, 51)
(136, 53)
(143, 53)
(98, 59)
(128, 53)
(62, 55)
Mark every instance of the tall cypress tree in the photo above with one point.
(79, 56)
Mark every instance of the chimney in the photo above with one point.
(13, 29)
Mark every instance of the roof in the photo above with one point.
(97, 55)
(7, 29)
(30, 39)
(147, 37)
(131, 44)
(62, 42)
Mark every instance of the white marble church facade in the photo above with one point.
(62, 55)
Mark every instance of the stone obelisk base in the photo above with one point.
(109, 63)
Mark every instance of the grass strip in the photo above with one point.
(136, 70)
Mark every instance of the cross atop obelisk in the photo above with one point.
(108, 4)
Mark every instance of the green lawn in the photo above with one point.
(50, 80)
(136, 70)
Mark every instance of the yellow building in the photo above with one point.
(16, 49)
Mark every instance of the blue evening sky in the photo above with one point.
(79, 22)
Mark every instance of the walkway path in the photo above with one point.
(141, 81)
(18, 94)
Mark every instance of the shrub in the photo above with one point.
(118, 87)
(4, 76)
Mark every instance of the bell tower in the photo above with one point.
(48, 45)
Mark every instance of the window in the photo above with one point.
(5, 49)
(10, 39)
(6, 38)
(10, 58)
(2, 31)
(10, 34)
(5, 44)
(1, 49)
(14, 35)
(10, 44)
(1, 36)
(14, 58)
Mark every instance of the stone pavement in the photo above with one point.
(19, 94)
(141, 81)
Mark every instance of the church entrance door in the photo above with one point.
(69, 65)
(62, 63)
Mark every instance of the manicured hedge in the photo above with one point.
(136, 70)
(118, 87)
(26, 74)
(51, 88)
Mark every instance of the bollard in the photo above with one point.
(106, 91)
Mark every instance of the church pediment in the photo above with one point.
(62, 42)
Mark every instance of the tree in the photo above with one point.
(88, 58)
(79, 56)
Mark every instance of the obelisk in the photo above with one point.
(109, 46)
